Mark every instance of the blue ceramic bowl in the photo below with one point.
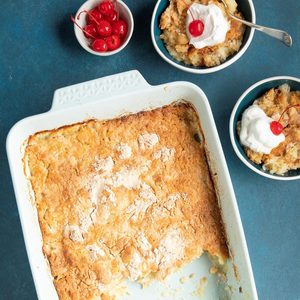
(247, 99)
(244, 6)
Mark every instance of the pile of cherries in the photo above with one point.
(104, 28)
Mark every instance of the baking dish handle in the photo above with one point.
(98, 89)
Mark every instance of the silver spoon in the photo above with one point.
(275, 33)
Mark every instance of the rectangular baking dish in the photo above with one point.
(107, 98)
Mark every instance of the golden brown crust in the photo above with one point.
(286, 156)
(123, 198)
(173, 25)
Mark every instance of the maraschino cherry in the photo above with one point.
(113, 17)
(119, 28)
(89, 30)
(113, 42)
(104, 28)
(196, 27)
(106, 7)
(275, 126)
(93, 16)
(99, 45)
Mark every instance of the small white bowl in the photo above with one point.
(247, 99)
(125, 14)
(247, 9)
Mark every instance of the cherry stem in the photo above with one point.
(296, 105)
(89, 14)
(189, 9)
(87, 33)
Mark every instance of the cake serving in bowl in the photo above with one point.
(269, 130)
(127, 198)
(199, 33)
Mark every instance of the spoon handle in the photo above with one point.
(275, 33)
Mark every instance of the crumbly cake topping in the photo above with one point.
(115, 202)
(170, 249)
(148, 140)
(73, 232)
(143, 243)
(124, 151)
(95, 251)
(103, 164)
(140, 205)
(165, 154)
(127, 177)
(134, 266)
(171, 201)
(86, 220)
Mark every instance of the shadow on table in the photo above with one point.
(141, 44)
(65, 32)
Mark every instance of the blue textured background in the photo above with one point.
(39, 53)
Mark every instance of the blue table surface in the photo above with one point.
(39, 53)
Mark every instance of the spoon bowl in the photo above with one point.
(281, 35)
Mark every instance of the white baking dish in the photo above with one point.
(107, 98)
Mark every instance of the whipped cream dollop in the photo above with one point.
(256, 131)
(215, 25)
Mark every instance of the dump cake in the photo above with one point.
(121, 199)
(199, 33)
(270, 130)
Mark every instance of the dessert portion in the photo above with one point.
(128, 198)
(104, 28)
(199, 32)
(270, 130)
(256, 132)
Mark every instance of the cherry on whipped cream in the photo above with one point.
(275, 126)
(196, 27)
